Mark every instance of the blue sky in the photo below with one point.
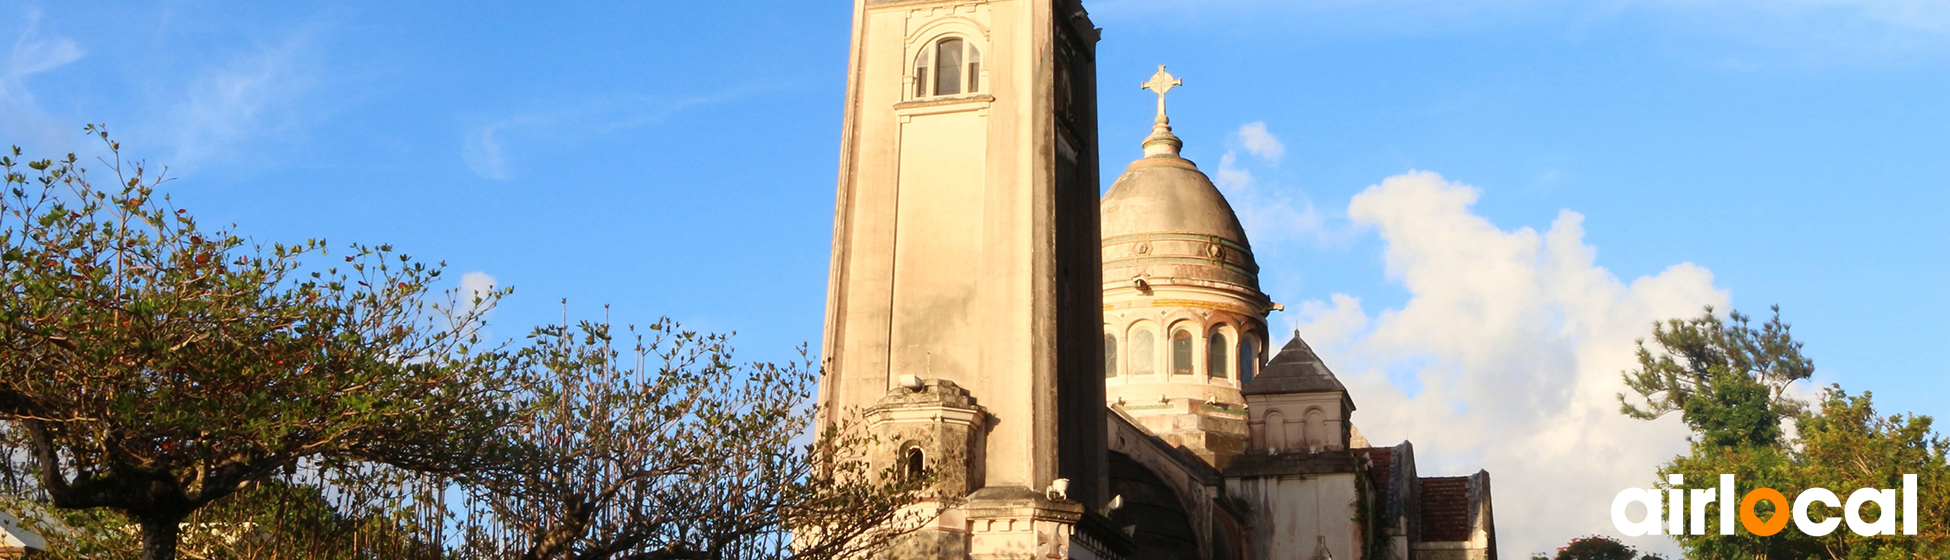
(678, 158)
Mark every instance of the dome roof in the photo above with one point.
(1164, 220)
(1168, 194)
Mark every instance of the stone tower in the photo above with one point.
(1184, 320)
(964, 302)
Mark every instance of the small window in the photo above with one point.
(1181, 353)
(950, 66)
(1110, 356)
(921, 74)
(1248, 359)
(1143, 353)
(914, 464)
(974, 72)
(1215, 355)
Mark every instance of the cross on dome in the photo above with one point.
(1161, 83)
(1162, 142)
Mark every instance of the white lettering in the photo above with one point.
(1648, 526)
(1808, 526)
(1727, 504)
(1701, 497)
(1885, 523)
(1909, 504)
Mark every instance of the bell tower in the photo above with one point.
(965, 239)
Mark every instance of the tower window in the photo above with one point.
(914, 464)
(1143, 353)
(1248, 359)
(1215, 355)
(1110, 356)
(1181, 352)
(950, 66)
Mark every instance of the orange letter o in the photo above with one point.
(1751, 521)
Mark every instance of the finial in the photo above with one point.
(1162, 141)
(1161, 83)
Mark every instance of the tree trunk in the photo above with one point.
(159, 537)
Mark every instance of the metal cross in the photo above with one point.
(1161, 83)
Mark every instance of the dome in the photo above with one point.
(1168, 194)
(1163, 220)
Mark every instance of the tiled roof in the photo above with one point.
(1445, 508)
(1296, 369)
(1380, 463)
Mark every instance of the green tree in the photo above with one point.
(1726, 378)
(1846, 445)
(1729, 381)
(1597, 547)
(154, 368)
(673, 450)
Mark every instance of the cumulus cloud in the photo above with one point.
(475, 285)
(32, 53)
(1261, 143)
(1506, 356)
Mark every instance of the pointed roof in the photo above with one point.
(1296, 369)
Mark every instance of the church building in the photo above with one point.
(1084, 376)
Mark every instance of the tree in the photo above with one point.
(672, 450)
(153, 368)
(1846, 445)
(1726, 378)
(1729, 380)
(1597, 547)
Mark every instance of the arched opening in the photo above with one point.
(1181, 352)
(1161, 527)
(1215, 355)
(1144, 357)
(1317, 429)
(914, 464)
(948, 66)
(1274, 429)
(1248, 359)
(1110, 356)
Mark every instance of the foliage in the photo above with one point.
(154, 368)
(1597, 548)
(1726, 378)
(167, 390)
(1729, 382)
(673, 450)
(273, 520)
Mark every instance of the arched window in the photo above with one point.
(1110, 356)
(949, 66)
(1274, 430)
(1317, 429)
(1144, 357)
(1215, 355)
(914, 464)
(1248, 359)
(1181, 352)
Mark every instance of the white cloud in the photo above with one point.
(482, 151)
(254, 95)
(472, 285)
(1261, 143)
(485, 150)
(32, 53)
(1270, 216)
(1506, 356)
